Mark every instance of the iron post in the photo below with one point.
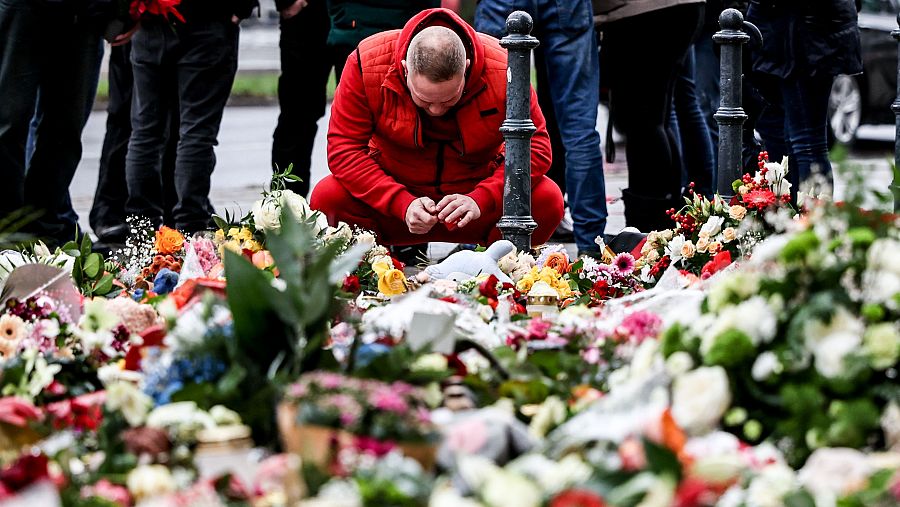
(895, 107)
(517, 224)
(730, 115)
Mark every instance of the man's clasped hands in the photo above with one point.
(454, 210)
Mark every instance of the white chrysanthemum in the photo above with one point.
(831, 343)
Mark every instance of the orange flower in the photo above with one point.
(168, 240)
(558, 261)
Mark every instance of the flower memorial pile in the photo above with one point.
(749, 357)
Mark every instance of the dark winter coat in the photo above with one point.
(354, 20)
(216, 9)
(809, 37)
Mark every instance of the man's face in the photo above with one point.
(435, 98)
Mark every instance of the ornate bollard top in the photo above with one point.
(519, 23)
(731, 19)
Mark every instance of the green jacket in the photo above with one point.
(353, 21)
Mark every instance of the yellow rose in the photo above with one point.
(381, 267)
(245, 234)
(233, 232)
(233, 245)
(687, 249)
(220, 236)
(252, 245)
(702, 244)
(737, 212)
(524, 285)
(729, 234)
(392, 282)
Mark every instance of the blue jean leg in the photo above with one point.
(565, 29)
(693, 134)
(805, 116)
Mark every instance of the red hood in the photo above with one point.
(451, 20)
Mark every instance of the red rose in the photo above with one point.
(26, 470)
(351, 284)
(718, 263)
(488, 288)
(577, 498)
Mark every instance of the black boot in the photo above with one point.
(649, 213)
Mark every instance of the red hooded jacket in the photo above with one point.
(378, 148)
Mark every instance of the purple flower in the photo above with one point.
(624, 263)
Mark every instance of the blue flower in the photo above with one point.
(365, 354)
(138, 295)
(165, 281)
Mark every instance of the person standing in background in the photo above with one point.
(198, 58)
(641, 90)
(61, 69)
(566, 32)
(806, 43)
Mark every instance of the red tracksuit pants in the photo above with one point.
(332, 199)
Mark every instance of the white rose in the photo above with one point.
(365, 238)
(831, 343)
(446, 495)
(505, 488)
(771, 485)
(267, 215)
(550, 413)
(673, 248)
(147, 481)
(679, 363)
(294, 202)
(508, 263)
(386, 259)
(882, 255)
(766, 365)
(712, 226)
(429, 362)
(830, 473)
(700, 399)
(881, 343)
(127, 398)
(224, 416)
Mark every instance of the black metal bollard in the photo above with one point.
(517, 224)
(730, 115)
(895, 107)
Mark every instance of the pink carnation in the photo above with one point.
(108, 491)
(388, 400)
(639, 326)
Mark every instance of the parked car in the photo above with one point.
(866, 99)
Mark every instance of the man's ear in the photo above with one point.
(468, 63)
(405, 70)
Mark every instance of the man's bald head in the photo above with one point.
(436, 53)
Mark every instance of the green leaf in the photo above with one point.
(220, 223)
(229, 382)
(104, 285)
(799, 499)
(661, 460)
(92, 265)
(85, 245)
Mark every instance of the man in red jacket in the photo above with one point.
(414, 145)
